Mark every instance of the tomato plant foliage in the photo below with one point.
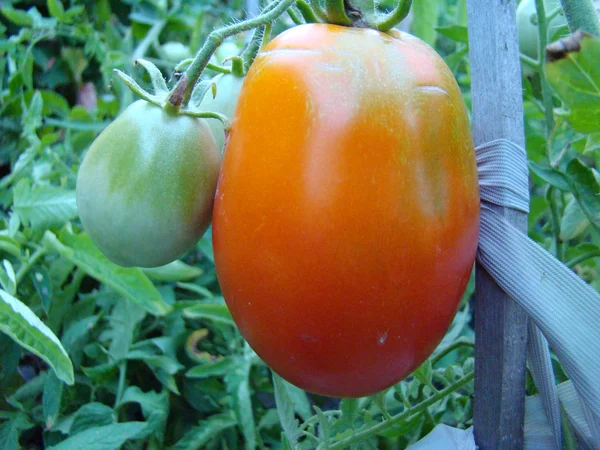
(151, 357)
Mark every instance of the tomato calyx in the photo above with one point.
(361, 14)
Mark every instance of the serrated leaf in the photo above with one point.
(575, 77)
(123, 321)
(127, 281)
(11, 430)
(213, 311)
(24, 327)
(219, 367)
(174, 271)
(586, 190)
(197, 437)
(238, 386)
(43, 206)
(91, 415)
(51, 400)
(349, 408)
(325, 429)
(108, 437)
(155, 408)
(573, 222)
(285, 409)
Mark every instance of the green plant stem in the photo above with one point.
(555, 12)
(148, 40)
(591, 254)
(213, 41)
(121, 385)
(318, 9)
(294, 16)
(393, 18)
(581, 15)
(461, 342)
(259, 38)
(306, 11)
(551, 194)
(25, 268)
(421, 407)
(336, 12)
(186, 62)
(543, 41)
(534, 63)
(315, 418)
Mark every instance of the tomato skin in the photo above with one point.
(346, 216)
(145, 188)
(228, 91)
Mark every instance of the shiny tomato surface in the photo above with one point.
(347, 210)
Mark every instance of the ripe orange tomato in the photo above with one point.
(346, 216)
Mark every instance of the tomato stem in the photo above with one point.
(260, 36)
(307, 12)
(216, 38)
(336, 12)
(393, 18)
(316, 6)
(294, 16)
(419, 408)
(543, 41)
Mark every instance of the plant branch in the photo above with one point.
(306, 11)
(386, 424)
(216, 38)
(461, 342)
(25, 268)
(587, 255)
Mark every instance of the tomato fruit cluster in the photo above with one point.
(146, 186)
(346, 217)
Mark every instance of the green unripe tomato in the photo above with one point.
(228, 91)
(176, 51)
(146, 186)
(528, 32)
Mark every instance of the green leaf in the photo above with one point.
(155, 408)
(127, 281)
(90, 415)
(575, 77)
(219, 367)
(425, 20)
(11, 430)
(586, 190)
(123, 321)
(285, 409)
(238, 386)
(175, 271)
(199, 436)
(300, 400)
(43, 206)
(457, 33)
(55, 8)
(573, 222)
(24, 327)
(551, 176)
(17, 16)
(51, 400)
(213, 311)
(108, 437)
(349, 408)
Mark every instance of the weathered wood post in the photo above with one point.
(500, 324)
